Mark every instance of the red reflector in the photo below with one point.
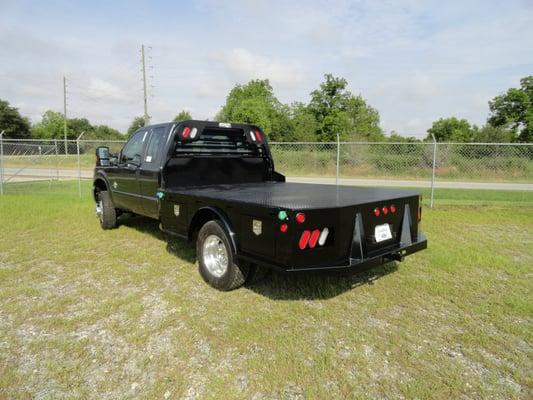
(300, 218)
(376, 212)
(283, 228)
(385, 210)
(258, 136)
(185, 133)
(314, 238)
(304, 239)
(392, 208)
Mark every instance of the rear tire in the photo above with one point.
(105, 210)
(216, 261)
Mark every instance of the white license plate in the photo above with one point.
(382, 233)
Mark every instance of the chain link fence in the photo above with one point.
(27, 166)
(469, 162)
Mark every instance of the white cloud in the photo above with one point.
(100, 89)
(242, 65)
(418, 88)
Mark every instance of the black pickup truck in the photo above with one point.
(216, 183)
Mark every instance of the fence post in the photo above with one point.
(338, 158)
(433, 169)
(79, 162)
(57, 160)
(2, 163)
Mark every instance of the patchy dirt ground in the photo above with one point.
(124, 314)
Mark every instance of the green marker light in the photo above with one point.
(282, 215)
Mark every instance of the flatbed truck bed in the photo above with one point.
(294, 196)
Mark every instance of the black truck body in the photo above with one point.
(189, 173)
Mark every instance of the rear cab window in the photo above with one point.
(214, 141)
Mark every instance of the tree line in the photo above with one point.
(332, 109)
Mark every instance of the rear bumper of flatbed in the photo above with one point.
(354, 264)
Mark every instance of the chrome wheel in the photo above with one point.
(215, 255)
(100, 210)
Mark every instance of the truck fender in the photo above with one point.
(100, 182)
(209, 213)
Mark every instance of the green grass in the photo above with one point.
(86, 313)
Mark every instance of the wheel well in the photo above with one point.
(200, 219)
(98, 186)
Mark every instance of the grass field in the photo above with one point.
(124, 314)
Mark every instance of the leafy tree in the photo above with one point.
(495, 134)
(514, 110)
(337, 110)
(182, 116)
(77, 126)
(255, 103)
(395, 137)
(104, 132)
(363, 120)
(14, 125)
(451, 130)
(303, 124)
(138, 122)
(50, 126)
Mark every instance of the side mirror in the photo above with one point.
(102, 156)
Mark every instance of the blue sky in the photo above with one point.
(415, 61)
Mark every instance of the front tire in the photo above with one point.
(105, 210)
(216, 262)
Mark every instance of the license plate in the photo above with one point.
(382, 233)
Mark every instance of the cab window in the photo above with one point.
(132, 151)
(154, 146)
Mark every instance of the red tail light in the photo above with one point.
(304, 239)
(385, 210)
(300, 218)
(283, 228)
(314, 238)
(376, 212)
(185, 133)
(258, 136)
(392, 208)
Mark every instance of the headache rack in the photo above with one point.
(214, 141)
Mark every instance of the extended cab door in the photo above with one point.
(125, 178)
(150, 171)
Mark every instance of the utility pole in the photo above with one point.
(65, 113)
(146, 117)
